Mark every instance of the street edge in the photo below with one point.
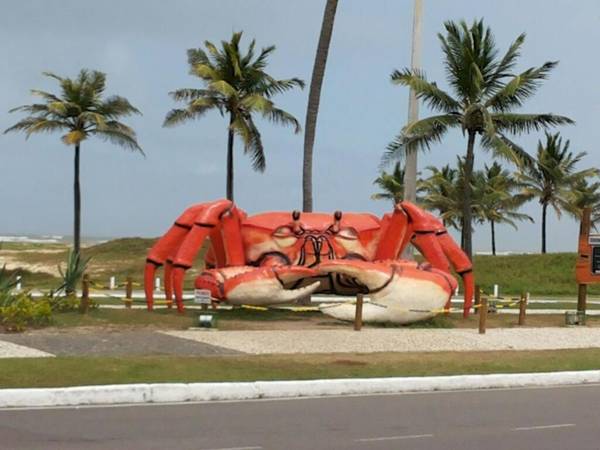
(198, 392)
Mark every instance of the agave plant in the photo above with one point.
(8, 281)
(76, 266)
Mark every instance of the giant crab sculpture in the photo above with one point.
(280, 257)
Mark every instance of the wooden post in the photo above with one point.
(128, 293)
(85, 294)
(483, 312)
(358, 314)
(522, 309)
(582, 298)
(477, 301)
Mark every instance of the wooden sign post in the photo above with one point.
(358, 312)
(587, 268)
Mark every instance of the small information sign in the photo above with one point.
(202, 296)
(596, 260)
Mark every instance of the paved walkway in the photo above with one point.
(102, 343)
(395, 340)
(10, 350)
(44, 343)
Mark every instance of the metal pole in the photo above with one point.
(582, 298)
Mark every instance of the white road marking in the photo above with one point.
(544, 427)
(236, 448)
(394, 438)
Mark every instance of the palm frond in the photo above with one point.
(119, 134)
(520, 88)
(433, 96)
(418, 136)
(516, 123)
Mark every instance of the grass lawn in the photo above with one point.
(74, 371)
(242, 319)
(550, 275)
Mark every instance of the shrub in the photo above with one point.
(20, 311)
(63, 303)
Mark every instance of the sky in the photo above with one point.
(141, 46)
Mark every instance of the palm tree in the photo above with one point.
(314, 97)
(236, 84)
(80, 111)
(584, 194)
(442, 192)
(499, 199)
(391, 185)
(552, 176)
(485, 93)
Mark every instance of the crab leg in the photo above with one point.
(189, 229)
(434, 242)
(164, 246)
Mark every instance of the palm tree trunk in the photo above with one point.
(544, 211)
(314, 97)
(467, 216)
(77, 204)
(493, 237)
(230, 159)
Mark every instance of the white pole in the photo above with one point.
(496, 290)
(112, 283)
(157, 283)
(410, 167)
(19, 282)
(410, 174)
(456, 291)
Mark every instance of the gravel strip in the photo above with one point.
(10, 350)
(395, 340)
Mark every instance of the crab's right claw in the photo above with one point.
(400, 292)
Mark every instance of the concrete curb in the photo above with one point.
(196, 392)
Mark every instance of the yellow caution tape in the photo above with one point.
(257, 308)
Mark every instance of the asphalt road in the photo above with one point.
(527, 419)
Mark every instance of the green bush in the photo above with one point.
(21, 310)
(64, 303)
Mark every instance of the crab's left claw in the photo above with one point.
(400, 292)
(258, 286)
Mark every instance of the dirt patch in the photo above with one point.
(313, 323)
(350, 362)
(13, 263)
